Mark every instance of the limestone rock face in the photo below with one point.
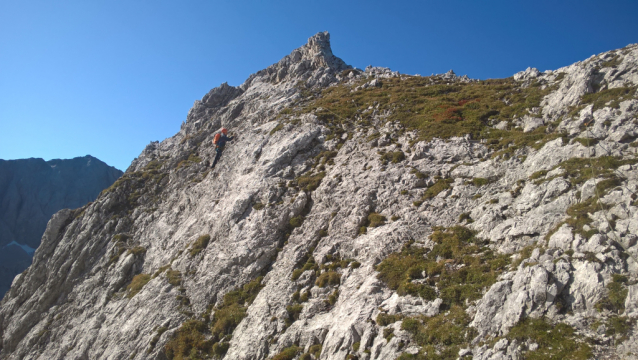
(173, 242)
(31, 191)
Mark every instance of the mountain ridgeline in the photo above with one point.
(358, 214)
(31, 191)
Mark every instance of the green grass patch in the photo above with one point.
(555, 341)
(432, 108)
(619, 328)
(137, 284)
(148, 181)
(538, 174)
(465, 217)
(276, 128)
(506, 142)
(137, 251)
(310, 182)
(174, 277)
(325, 158)
(200, 244)
(161, 270)
(394, 156)
(334, 262)
(586, 141)
(288, 353)
(438, 110)
(258, 206)
(328, 278)
(293, 311)
(308, 265)
(464, 268)
(332, 298)
(156, 338)
(296, 221)
(439, 186)
(440, 336)
(579, 170)
(478, 182)
(608, 97)
(230, 313)
(192, 159)
(579, 213)
(384, 319)
(418, 174)
(613, 62)
(388, 334)
(189, 342)
(375, 220)
(616, 295)
(524, 254)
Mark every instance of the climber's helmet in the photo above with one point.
(224, 131)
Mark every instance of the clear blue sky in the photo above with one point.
(107, 77)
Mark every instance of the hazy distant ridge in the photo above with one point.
(31, 191)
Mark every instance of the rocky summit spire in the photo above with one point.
(320, 53)
(312, 59)
(313, 63)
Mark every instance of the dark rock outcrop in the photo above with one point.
(31, 191)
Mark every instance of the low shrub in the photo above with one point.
(478, 182)
(332, 298)
(296, 221)
(613, 97)
(440, 336)
(459, 265)
(310, 182)
(231, 312)
(437, 188)
(464, 217)
(293, 312)
(616, 295)
(308, 265)
(555, 341)
(137, 284)
(174, 277)
(200, 244)
(328, 278)
(276, 128)
(156, 338)
(137, 251)
(393, 156)
(189, 341)
(288, 353)
(384, 319)
(375, 220)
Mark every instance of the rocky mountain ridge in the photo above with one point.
(31, 191)
(360, 215)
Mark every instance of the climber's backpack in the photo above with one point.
(216, 139)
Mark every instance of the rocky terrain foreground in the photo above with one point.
(31, 191)
(358, 215)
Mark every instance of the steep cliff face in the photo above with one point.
(31, 191)
(358, 214)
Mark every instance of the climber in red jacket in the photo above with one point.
(220, 142)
